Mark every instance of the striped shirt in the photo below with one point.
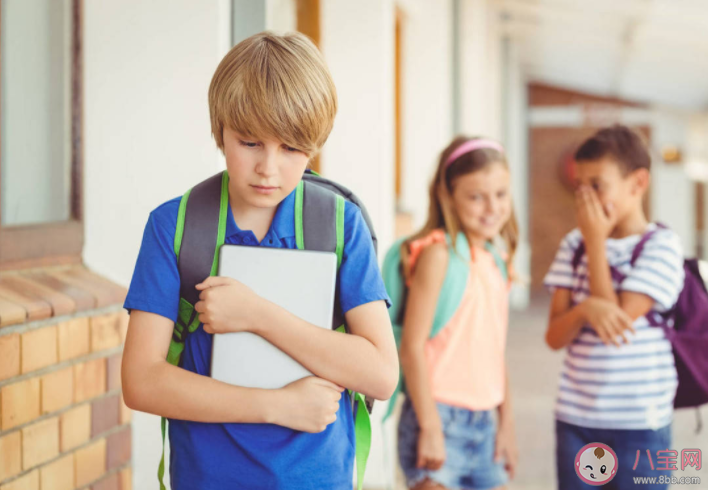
(632, 386)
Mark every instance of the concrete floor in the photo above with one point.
(534, 372)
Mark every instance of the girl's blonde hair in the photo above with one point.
(273, 85)
(441, 214)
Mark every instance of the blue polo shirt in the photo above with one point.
(253, 456)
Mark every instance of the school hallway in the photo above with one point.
(534, 371)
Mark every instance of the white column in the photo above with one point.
(516, 142)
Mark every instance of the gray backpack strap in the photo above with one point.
(348, 195)
(320, 229)
(318, 218)
(200, 236)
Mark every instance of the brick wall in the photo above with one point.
(63, 423)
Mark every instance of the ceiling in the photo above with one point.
(653, 51)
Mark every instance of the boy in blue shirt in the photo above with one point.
(618, 381)
(272, 103)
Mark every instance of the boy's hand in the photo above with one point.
(595, 222)
(505, 448)
(226, 305)
(607, 319)
(309, 404)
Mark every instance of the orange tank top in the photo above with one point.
(466, 360)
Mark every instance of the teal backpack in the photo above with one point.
(201, 230)
(453, 289)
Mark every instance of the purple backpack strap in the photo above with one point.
(640, 246)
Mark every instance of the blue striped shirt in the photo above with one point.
(631, 386)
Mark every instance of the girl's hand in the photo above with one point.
(431, 448)
(505, 448)
(227, 305)
(607, 319)
(595, 222)
(309, 404)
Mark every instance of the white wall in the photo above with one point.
(147, 68)
(426, 119)
(479, 69)
(357, 40)
(672, 191)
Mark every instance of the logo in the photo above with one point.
(596, 464)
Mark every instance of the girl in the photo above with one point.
(456, 428)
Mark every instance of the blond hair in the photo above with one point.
(441, 213)
(274, 85)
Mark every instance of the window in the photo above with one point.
(40, 133)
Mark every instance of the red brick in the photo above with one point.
(30, 481)
(10, 455)
(40, 443)
(9, 356)
(89, 380)
(126, 414)
(110, 483)
(105, 414)
(113, 368)
(90, 463)
(57, 390)
(119, 448)
(11, 313)
(75, 427)
(126, 479)
(58, 475)
(105, 332)
(39, 349)
(73, 339)
(19, 403)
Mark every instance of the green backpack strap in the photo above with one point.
(498, 259)
(201, 229)
(319, 225)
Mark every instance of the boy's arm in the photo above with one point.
(605, 317)
(599, 271)
(151, 384)
(364, 360)
(596, 225)
(564, 322)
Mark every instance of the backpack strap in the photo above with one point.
(201, 229)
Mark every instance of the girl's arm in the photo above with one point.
(151, 384)
(506, 433)
(418, 320)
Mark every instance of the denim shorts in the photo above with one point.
(470, 439)
(625, 443)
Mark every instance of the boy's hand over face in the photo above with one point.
(226, 305)
(607, 319)
(595, 222)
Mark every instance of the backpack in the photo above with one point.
(689, 335)
(449, 299)
(201, 229)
